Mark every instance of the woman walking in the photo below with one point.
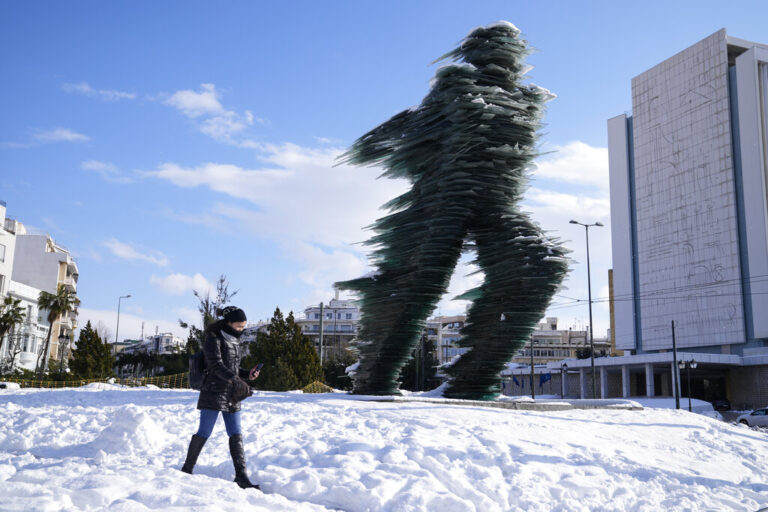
(222, 390)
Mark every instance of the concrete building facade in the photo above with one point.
(41, 263)
(29, 264)
(689, 219)
(339, 325)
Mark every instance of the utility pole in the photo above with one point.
(117, 328)
(533, 386)
(321, 333)
(423, 346)
(675, 383)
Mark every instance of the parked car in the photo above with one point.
(756, 418)
(721, 404)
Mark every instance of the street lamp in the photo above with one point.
(589, 291)
(117, 329)
(687, 365)
(563, 373)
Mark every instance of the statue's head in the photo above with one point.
(498, 43)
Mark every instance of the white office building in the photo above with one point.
(689, 221)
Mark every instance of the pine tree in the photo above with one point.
(92, 357)
(290, 361)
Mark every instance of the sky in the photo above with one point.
(167, 143)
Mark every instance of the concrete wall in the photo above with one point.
(752, 115)
(33, 266)
(6, 266)
(687, 235)
(621, 233)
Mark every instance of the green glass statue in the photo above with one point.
(467, 150)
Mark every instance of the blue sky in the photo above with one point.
(166, 143)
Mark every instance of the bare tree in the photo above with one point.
(209, 304)
(104, 332)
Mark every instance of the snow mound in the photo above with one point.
(9, 385)
(131, 430)
(77, 450)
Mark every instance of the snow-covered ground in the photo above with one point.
(109, 448)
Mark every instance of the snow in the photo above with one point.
(111, 448)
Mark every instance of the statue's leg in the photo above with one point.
(415, 260)
(523, 269)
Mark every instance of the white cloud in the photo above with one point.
(106, 170)
(105, 94)
(214, 120)
(562, 204)
(321, 267)
(194, 104)
(553, 207)
(576, 162)
(130, 324)
(298, 193)
(180, 284)
(61, 135)
(125, 251)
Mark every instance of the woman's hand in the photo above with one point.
(254, 373)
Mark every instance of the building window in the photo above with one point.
(2, 253)
(349, 316)
(317, 316)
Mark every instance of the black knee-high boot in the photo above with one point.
(195, 445)
(238, 459)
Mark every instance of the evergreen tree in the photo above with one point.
(335, 370)
(92, 357)
(290, 361)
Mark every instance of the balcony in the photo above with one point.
(70, 283)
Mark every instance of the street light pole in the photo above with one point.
(675, 376)
(589, 291)
(117, 329)
(688, 365)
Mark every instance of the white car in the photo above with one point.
(756, 418)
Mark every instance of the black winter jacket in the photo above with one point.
(222, 354)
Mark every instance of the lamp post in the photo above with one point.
(589, 291)
(117, 329)
(688, 365)
(563, 372)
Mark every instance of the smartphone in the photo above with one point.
(258, 366)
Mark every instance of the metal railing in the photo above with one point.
(177, 381)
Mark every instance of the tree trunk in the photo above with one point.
(41, 367)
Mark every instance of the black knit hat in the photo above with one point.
(233, 314)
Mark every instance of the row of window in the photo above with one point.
(544, 353)
(329, 316)
(330, 328)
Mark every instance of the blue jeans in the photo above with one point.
(208, 420)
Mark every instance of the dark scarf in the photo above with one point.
(229, 330)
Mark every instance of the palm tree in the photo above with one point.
(57, 305)
(11, 315)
